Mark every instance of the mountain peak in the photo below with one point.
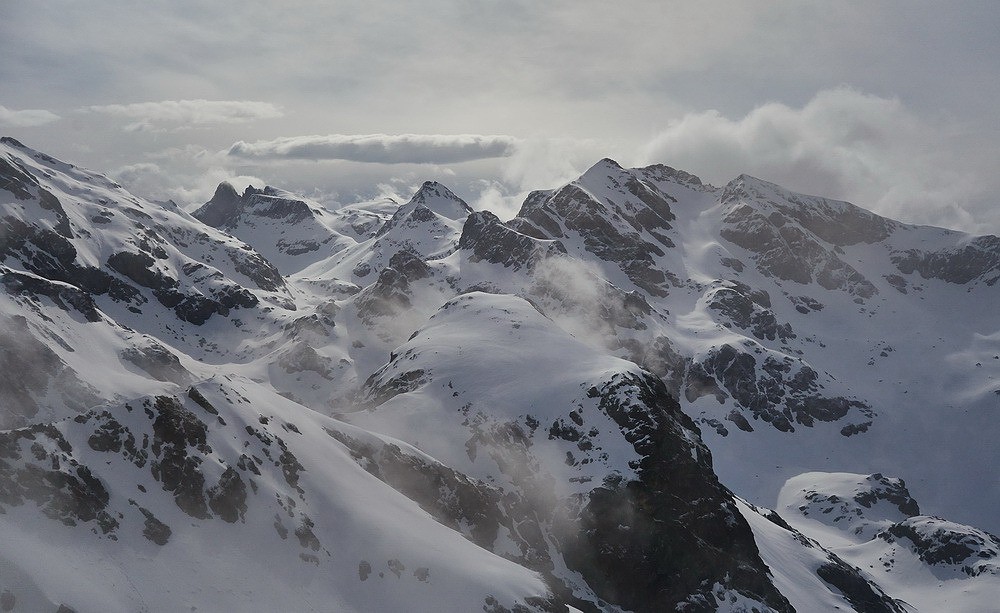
(605, 167)
(431, 189)
(225, 190)
(749, 187)
(224, 207)
(746, 181)
(607, 163)
(439, 199)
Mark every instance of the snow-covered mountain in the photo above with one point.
(642, 393)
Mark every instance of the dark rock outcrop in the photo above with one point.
(863, 595)
(631, 233)
(390, 294)
(157, 361)
(227, 207)
(798, 238)
(939, 542)
(979, 260)
(488, 239)
(749, 310)
(782, 392)
(36, 464)
(662, 540)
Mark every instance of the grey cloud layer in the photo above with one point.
(190, 112)
(380, 148)
(25, 118)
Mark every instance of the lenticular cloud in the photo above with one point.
(380, 148)
(181, 112)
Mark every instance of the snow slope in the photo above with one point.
(404, 407)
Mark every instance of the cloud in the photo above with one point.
(25, 118)
(380, 148)
(184, 113)
(843, 144)
(536, 163)
(187, 176)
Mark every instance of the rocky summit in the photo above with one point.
(641, 393)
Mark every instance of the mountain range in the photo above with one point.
(641, 393)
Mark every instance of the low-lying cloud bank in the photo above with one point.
(380, 148)
(845, 144)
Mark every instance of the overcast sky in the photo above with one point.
(893, 105)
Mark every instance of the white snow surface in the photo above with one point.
(826, 507)
(917, 364)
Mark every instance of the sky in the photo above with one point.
(892, 105)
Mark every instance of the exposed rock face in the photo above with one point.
(892, 491)
(164, 437)
(275, 206)
(194, 306)
(37, 466)
(880, 517)
(18, 181)
(632, 535)
(799, 243)
(863, 506)
(943, 543)
(177, 430)
(782, 392)
(490, 240)
(302, 357)
(227, 208)
(661, 358)
(39, 237)
(441, 200)
(631, 233)
(749, 310)
(63, 295)
(228, 499)
(636, 543)
(48, 254)
(408, 215)
(858, 591)
(431, 201)
(158, 361)
(390, 294)
(224, 209)
(288, 230)
(977, 261)
(472, 507)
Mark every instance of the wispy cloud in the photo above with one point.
(25, 118)
(843, 143)
(380, 148)
(176, 114)
(189, 185)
